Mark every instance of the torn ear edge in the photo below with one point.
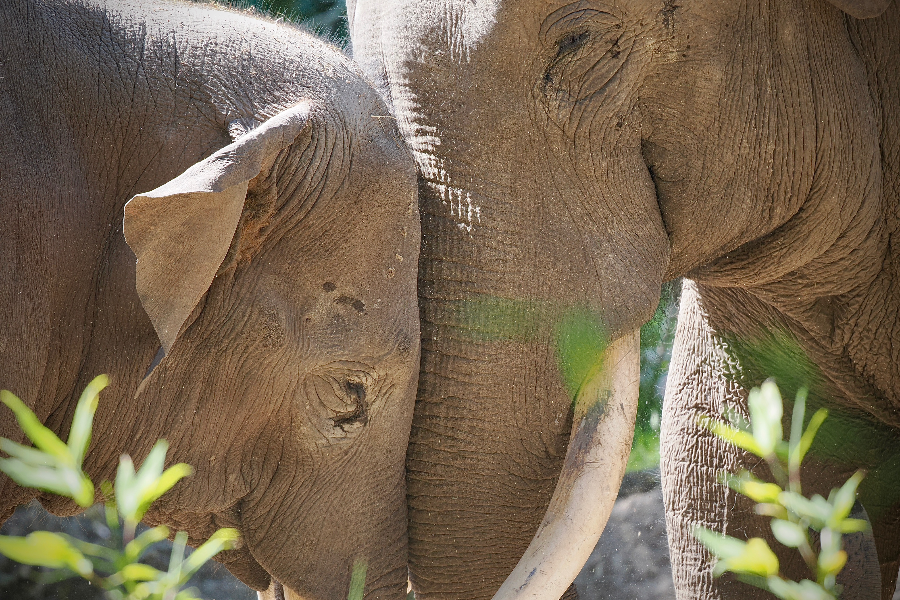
(181, 232)
(862, 9)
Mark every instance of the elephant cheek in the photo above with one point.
(309, 533)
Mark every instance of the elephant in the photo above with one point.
(214, 209)
(574, 155)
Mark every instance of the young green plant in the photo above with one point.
(793, 515)
(56, 467)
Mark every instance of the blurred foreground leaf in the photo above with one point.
(793, 514)
(55, 467)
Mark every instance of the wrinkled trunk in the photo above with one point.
(541, 242)
(511, 334)
(492, 415)
(488, 441)
(480, 477)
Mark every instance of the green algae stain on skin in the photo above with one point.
(581, 339)
(578, 333)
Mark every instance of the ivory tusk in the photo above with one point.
(602, 430)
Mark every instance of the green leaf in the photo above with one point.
(63, 480)
(797, 428)
(805, 508)
(45, 549)
(27, 454)
(152, 467)
(792, 590)
(782, 451)
(753, 557)
(163, 484)
(139, 572)
(830, 563)
(771, 510)
(754, 488)
(127, 498)
(844, 499)
(223, 539)
(720, 545)
(94, 550)
(42, 437)
(810, 590)
(144, 590)
(176, 560)
(756, 559)
(135, 492)
(829, 540)
(109, 493)
(741, 439)
(854, 525)
(80, 432)
(786, 590)
(823, 505)
(788, 533)
(139, 545)
(357, 580)
(807, 439)
(765, 416)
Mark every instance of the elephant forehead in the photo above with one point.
(452, 32)
(460, 26)
(323, 318)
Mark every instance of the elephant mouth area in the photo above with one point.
(278, 591)
(241, 563)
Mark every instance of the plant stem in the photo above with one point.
(778, 471)
(806, 551)
(128, 533)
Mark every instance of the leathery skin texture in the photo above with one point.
(573, 156)
(253, 302)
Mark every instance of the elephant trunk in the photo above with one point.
(602, 431)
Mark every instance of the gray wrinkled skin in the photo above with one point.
(579, 154)
(289, 378)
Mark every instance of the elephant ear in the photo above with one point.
(862, 9)
(181, 232)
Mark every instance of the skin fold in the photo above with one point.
(270, 250)
(572, 157)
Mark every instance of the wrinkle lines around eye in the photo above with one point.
(584, 111)
(570, 17)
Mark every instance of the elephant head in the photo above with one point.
(273, 274)
(573, 156)
(266, 256)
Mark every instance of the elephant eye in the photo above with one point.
(586, 48)
(357, 416)
(571, 43)
(342, 397)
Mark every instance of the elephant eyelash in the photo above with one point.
(566, 46)
(356, 389)
(343, 394)
(571, 43)
(585, 63)
(359, 415)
